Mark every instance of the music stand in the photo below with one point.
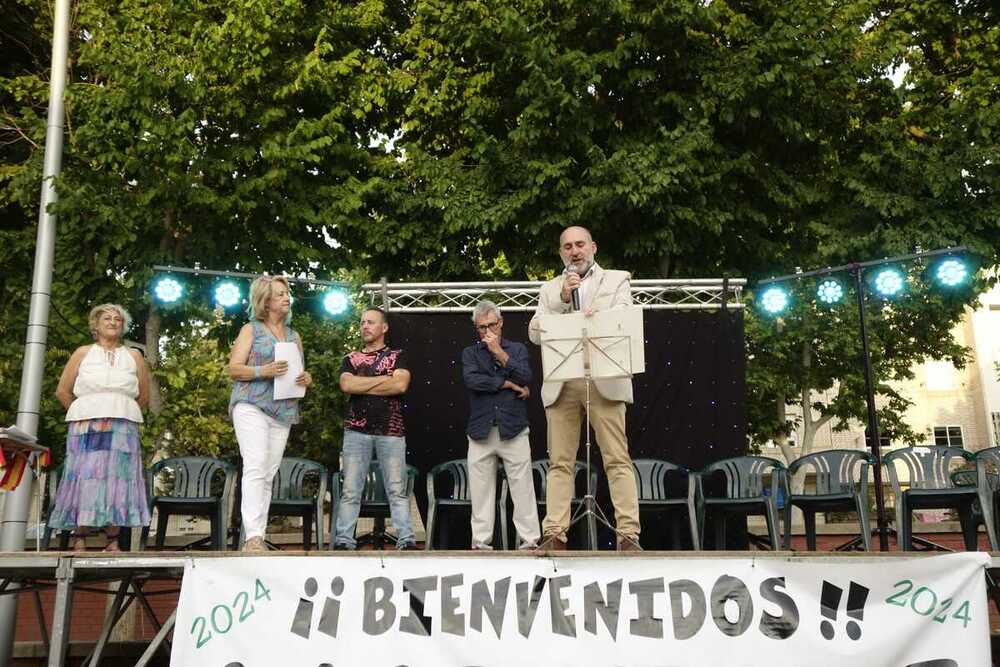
(606, 345)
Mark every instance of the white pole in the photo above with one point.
(18, 502)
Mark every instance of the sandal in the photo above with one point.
(112, 544)
(255, 544)
(79, 543)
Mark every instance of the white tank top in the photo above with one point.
(107, 385)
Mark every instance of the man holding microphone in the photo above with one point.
(587, 287)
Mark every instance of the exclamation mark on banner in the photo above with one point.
(856, 599)
(829, 607)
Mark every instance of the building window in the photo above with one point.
(884, 442)
(948, 436)
(996, 429)
(940, 375)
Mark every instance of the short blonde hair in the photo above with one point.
(97, 311)
(261, 291)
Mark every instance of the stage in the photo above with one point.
(70, 572)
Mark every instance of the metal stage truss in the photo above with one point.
(70, 572)
(658, 294)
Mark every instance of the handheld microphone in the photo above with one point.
(574, 294)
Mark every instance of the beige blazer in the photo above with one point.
(609, 289)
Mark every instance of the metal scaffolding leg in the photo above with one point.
(40, 613)
(157, 640)
(114, 615)
(61, 613)
(145, 605)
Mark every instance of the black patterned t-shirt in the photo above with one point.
(375, 415)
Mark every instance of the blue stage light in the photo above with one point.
(774, 300)
(168, 290)
(889, 282)
(335, 303)
(227, 294)
(951, 272)
(830, 291)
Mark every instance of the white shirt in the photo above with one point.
(106, 386)
(583, 289)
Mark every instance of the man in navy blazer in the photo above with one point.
(496, 372)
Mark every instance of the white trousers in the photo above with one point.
(262, 443)
(516, 456)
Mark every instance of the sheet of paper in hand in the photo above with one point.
(284, 385)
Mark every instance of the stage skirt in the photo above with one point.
(102, 482)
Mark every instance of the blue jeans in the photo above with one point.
(357, 456)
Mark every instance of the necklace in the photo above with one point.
(109, 355)
(275, 333)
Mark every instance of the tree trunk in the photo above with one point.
(810, 427)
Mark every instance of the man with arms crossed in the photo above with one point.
(565, 402)
(496, 372)
(376, 378)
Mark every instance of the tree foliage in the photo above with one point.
(452, 139)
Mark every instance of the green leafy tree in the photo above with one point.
(447, 140)
(718, 138)
(926, 174)
(194, 384)
(221, 133)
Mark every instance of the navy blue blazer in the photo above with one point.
(489, 405)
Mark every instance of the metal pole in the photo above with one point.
(17, 504)
(883, 538)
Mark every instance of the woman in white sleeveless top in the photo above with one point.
(102, 388)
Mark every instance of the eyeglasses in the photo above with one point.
(489, 325)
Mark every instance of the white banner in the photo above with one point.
(440, 611)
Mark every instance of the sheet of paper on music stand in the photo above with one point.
(562, 350)
(616, 340)
(284, 385)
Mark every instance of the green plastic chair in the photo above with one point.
(299, 489)
(657, 494)
(374, 503)
(987, 481)
(195, 491)
(539, 477)
(841, 485)
(931, 487)
(744, 493)
(447, 492)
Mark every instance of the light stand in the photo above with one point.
(880, 521)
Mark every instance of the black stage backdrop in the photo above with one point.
(689, 404)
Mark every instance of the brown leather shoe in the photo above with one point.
(551, 543)
(627, 543)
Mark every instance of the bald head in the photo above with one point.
(575, 231)
(577, 249)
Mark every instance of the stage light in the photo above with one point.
(830, 291)
(774, 300)
(227, 294)
(168, 290)
(951, 272)
(889, 282)
(335, 303)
